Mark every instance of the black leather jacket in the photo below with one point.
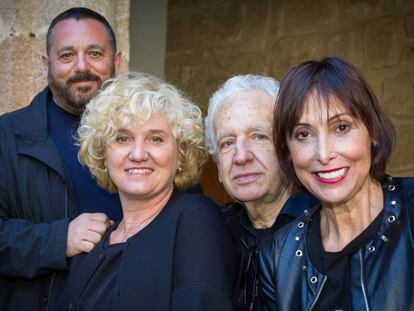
(382, 271)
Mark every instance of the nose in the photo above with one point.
(82, 64)
(325, 149)
(138, 152)
(243, 153)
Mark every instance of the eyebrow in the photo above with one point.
(157, 131)
(152, 131)
(71, 48)
(336, 116)
(95, 46)
(65, 48)
(250, 129)
(123, 130)
(224, 134)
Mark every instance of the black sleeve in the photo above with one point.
(206, 260)
(27, 249)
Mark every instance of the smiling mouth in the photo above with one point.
(139, 171)
(332, 176)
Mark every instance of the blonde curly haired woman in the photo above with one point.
(171, 251)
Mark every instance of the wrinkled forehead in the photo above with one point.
(247, 103)
(244, 110)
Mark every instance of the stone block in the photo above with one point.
(228, 21)
(193, 77)
(307, 16)
(407, 53)
(401, 163)
(192, 29)
(5, 69)
(234, 63)
(375, 79)
(22, 74)
(199, 74)
(291, 51)
(6, 19)
(398, 94)
(382, 38)
(275, 19)
(257, 19)
(17, 69)
(409, 26)
(355, 13)
(348, 45)
(404, 4)
(24, 21)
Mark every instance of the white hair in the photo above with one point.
(231, 86)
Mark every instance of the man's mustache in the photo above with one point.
(85, 76)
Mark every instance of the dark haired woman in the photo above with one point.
(355, 250)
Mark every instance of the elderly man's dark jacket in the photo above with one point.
(382, 271)
(36, 202)
(248, 239)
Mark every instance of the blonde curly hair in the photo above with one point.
(133, 97)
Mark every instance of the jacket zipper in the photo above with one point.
(50, 290)
(318, 293)
(362, 280)
(49, 293)
(244, 243)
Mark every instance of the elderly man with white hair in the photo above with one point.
(239, 136)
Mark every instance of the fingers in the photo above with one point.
(99, 222)
(98, 227)
(92, 237)
(100, 217)
(85, 231)
(86, 246)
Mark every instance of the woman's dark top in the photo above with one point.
(100, 290)
(336, 294)
(183, 260)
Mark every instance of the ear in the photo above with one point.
(117, 62)
(179, 162)
(45, 65)
(218, 172)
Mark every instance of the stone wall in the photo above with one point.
(23, 27)
(208, 41)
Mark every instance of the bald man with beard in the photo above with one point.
(50, 207)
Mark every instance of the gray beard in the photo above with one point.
(74, 102)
